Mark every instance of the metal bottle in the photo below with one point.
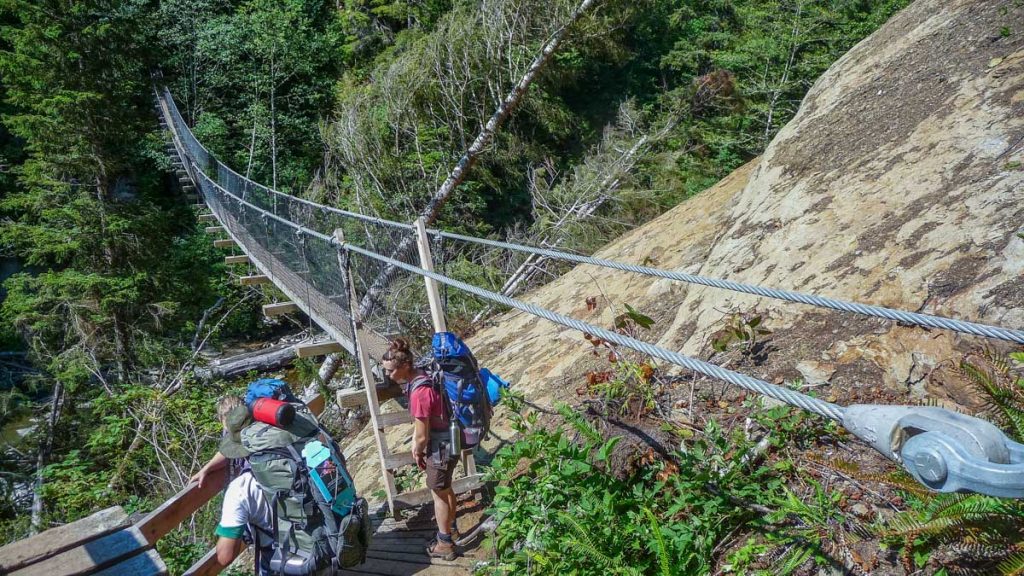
(455, 434)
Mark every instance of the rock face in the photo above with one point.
(900, 182)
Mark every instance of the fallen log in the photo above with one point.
(263, 360)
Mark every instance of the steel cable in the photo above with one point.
(914, 318)
(803, 401)
(911, 318)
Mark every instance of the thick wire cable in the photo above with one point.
(793, 398)
(914, 318)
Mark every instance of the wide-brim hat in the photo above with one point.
(234, 422)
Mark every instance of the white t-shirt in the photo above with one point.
(244, 504)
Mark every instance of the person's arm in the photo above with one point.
(217, 462)
(420, 441)
(227, 550)
(234, 516)
(420, 409)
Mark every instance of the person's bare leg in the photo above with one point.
(453, 509)
(443, 512)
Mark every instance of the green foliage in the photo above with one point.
(368, 104)
(563, 510)
(745, 330)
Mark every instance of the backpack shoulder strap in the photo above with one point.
(418, 382)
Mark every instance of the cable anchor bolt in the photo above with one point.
(943, 450)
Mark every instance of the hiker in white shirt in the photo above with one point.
(245, 508)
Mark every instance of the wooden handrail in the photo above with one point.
(181, 506)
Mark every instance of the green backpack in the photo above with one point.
(317, 519)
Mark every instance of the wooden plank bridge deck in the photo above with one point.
(398, 547)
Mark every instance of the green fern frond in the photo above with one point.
(791, 560)
(998, 361)
(956, 516)
(899, 479)
(583, 543)
(1004, 399)
(581, 424)
(659, 540)
(1012, 566)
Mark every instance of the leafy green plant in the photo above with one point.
(563, 510)
(629, 386)
(742, 330)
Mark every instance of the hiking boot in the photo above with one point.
(442, 550)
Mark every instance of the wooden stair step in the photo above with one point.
(280, 308)
(396, 461)
(354, 397)
(254, 280)
(149, 563)
(393, 419)
(224, 243)
(91, 556)
(310, 349)
(423, 496)
(242, 259)
(383, 567)
(207, 218)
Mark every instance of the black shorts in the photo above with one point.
(440, 462)
(439, 474)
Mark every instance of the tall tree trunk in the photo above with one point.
(43, 457)
(462, 168)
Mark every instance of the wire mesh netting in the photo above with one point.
(293, 242)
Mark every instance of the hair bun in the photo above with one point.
(399, 345)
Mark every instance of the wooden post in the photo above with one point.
(437, 312)
(427, 263)
(363, 357)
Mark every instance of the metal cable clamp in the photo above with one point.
(944, 450)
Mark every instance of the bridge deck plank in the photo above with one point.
(399, 548)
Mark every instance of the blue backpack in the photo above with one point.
(458, 376)
(269, 388)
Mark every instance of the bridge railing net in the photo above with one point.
(304, 265)
(273, 229)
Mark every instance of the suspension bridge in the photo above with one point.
(350, 272)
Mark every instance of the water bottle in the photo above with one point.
(455, 432)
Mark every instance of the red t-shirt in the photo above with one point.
(425, 402)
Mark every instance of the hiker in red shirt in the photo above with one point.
(430, 441)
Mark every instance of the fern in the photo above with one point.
(1004, 393)
(949, 517)
(580, 423)
(659, 541)
(899, 479)
(1012, 566)
(791, 560)
(583, 543)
